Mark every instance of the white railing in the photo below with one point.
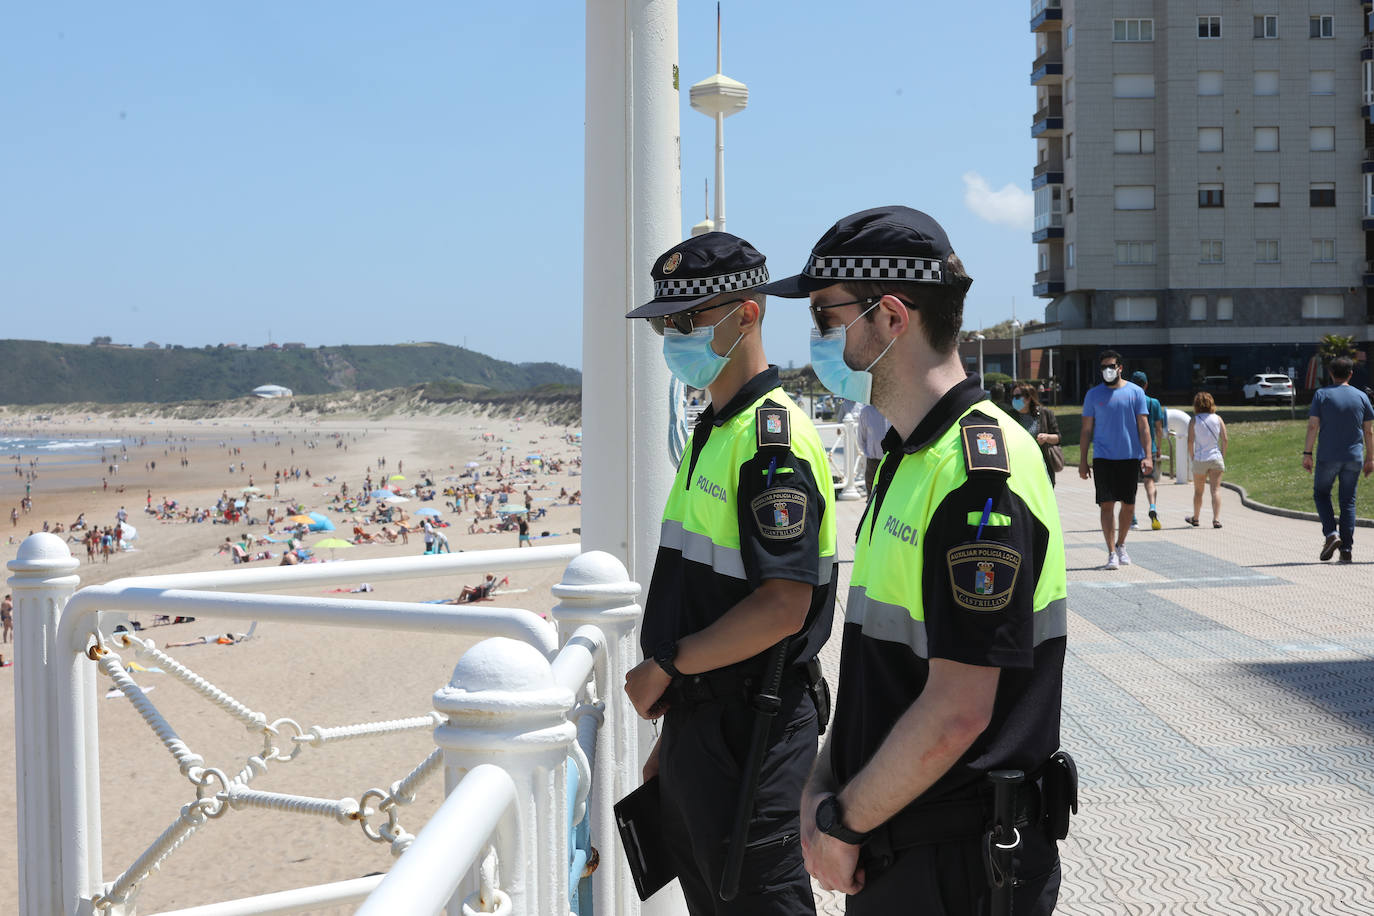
(514, 703)
(851, 459)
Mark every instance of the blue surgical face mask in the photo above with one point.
(827, 361)
(690, 357)
(1017, 404)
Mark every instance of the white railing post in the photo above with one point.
(42, 583)
(596, 590)
(853, 461)
(504, 708)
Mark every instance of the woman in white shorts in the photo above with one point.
(1207, 446)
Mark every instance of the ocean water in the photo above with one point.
(54, 450)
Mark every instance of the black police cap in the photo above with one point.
(885, 243)
(699, 269)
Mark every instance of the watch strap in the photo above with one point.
(664, 656)
(836, 827)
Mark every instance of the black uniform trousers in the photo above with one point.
(701, 763)
(947, 879)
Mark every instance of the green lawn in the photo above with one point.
(1264, 455)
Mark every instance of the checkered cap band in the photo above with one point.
(918, 270)
(695, 288)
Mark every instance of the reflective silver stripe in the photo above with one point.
(700, 549)
(725, 560)
(1052, 621)
(888, 622)
(894, 623)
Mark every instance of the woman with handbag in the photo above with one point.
(1039, 421)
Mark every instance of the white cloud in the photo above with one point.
(1010, 206)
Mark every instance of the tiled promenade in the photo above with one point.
(1219, 700)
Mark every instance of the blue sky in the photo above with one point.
(368, 173)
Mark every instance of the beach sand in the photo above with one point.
(314, 675)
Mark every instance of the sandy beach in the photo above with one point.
(314, 675)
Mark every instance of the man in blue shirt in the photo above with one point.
(1155, 417)
(1345, 419)
(1116, 425)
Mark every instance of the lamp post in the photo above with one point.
(1015, 326)
(980, 338)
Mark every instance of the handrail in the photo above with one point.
(282, 903)
(443, 853)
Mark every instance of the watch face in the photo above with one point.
(825, 814)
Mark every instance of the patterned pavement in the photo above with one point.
(1219, 700)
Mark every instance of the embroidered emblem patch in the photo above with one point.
(672, 262)
(780, 513)
(987, 445)
(774, 426)
(985, 449)
(982, 575)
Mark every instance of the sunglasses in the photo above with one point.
(682, 322)
(817, 309)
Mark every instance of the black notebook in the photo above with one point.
(638, 817)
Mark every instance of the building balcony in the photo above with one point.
(1046, 15)
(1367, 50)
(1048, 172)
(1369, 273)
(1047, 226)
(1049, 121)
(1048, 283)
(1048, 69)
(1367, 162)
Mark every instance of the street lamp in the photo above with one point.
(1015, 326)
(980, 338)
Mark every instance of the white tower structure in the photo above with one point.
(719, 96)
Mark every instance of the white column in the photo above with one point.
(504, 708)
(597, 590)
(720, 169)
(853, 460)
(41, 584)
(633, 213)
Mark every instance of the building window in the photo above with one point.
(1266, 194)
(1135, 252)
(1135, 197)
(1133, 86)
(1323, 306)
(1266, 82)
(1211, 251)
(1209, 27)
(1068, 255)
(1068, 36)
(1266, 26)
(1068, 198)
(1321, 27)
(1266, 251)
(1321, 139)
(1322, 82)
(1209, 139)
(1068, 146)
(1068, 90)
(1197, 308)
(1211, 195)
(1133, 30)
(1225, 308)
(1044, 259)
(1266, 139)
(1133, 141)
(1323, 250)
(1135, 308)
(1209, 82)
(1322, 194)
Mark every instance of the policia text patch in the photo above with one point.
(780, 513)
(982, 575)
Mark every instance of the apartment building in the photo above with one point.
(1204, 184)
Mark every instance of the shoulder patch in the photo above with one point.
(985, 449)
(982, 575)
(780, 513)
(774, 426)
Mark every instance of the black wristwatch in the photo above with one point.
(830, 820)
(664, 655)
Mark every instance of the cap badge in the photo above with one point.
(672, 262)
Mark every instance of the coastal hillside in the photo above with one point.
(34, 372)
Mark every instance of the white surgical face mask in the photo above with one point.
(1109, 375)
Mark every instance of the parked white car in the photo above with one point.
(1261, 388)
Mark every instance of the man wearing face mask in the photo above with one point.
(746, 560)
(1116, 424)
(955, 624)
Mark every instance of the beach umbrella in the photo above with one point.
(429, 510)
(333, 544)
(396, 477)
(320, 522)
(396, 498)
(511, 510)
(472, 464)
(299, 519)
(380, 494)
(252, 491)
(127, 532)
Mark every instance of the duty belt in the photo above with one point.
(733, 684)
(964, 818)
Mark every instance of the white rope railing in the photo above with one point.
(114, 668)
(343, 810)
(146, 649)
(318, 736)
(192, 817)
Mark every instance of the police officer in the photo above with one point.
(955, 625)
(746, 559)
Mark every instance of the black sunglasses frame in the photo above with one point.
(682, 321)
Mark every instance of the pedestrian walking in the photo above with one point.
(873, 427)
(1343, 417)
(1040, 422)
(1207, 448)
(743, 586)
(1155, 417)
(956, 622)
(1116, 426)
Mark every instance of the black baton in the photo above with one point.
(1001, 842)
(766, 704)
